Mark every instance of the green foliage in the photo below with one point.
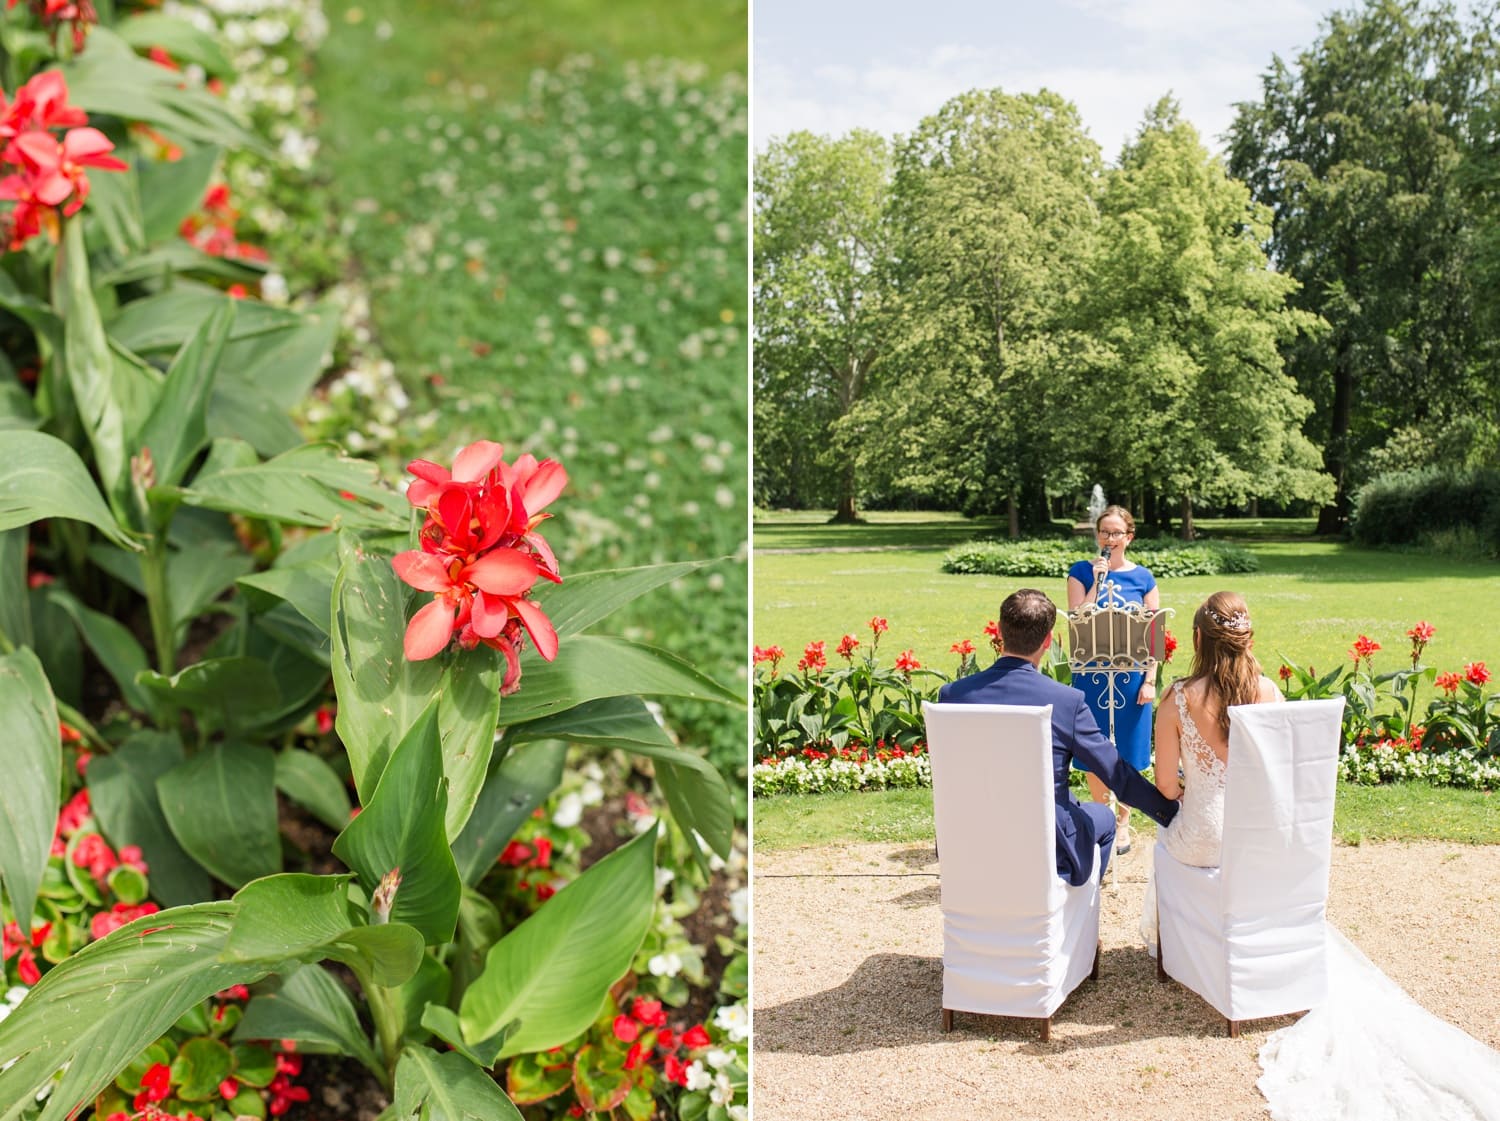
(820, 249)
(29, 726)
(1405, 506)
(1357, 145)
(550, 972)
(1052, 558)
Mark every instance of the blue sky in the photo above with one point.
(832, 65)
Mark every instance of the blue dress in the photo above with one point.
(1132, 721)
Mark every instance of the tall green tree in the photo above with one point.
(992, 218)
(1355, 146)
(819, 246)
(1189, 398)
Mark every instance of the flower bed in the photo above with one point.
(811, 723)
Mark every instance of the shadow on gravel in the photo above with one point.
(894, 1000)
(919, 856)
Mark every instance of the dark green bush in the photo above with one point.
(1404, 507)
(1050, 557)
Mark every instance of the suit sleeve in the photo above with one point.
(1092, 749)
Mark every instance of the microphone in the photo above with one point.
(1105, 551)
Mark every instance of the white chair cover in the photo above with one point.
(1017, 938)
(1248, 936)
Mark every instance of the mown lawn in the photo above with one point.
(1309, 600)
(1406, 811)
(547, 203)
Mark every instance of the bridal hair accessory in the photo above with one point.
(1239, 621)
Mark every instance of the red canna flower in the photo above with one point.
(1364, 649)
(992, 630)
(963, 649)
(1420, 636)
(772, 654)
(813, 659)
(1169, 645)
(481, 554)
(906, 662)
(847, 646)
(878, 626)
(1449, 682)
(54, 169)
(1285, 672)
(1475, 673)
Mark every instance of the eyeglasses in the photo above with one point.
(1113, 533)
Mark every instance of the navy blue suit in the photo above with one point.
(1080, 828)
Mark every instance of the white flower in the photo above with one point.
(569, 811)
(738, 1113)
(723, 1091)
(664, 876)
(734, 1021)
(697, 1077)
(739, 906)
(273, 288)
(718, 1058)
(591, 792)
(665, 965)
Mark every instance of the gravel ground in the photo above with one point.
(847, 983)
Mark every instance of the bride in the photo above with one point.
(1370, 1052)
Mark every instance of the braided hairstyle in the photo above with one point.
(1222, 639)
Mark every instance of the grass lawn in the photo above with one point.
(1407, 811)
(1309, 600)
(548, 206)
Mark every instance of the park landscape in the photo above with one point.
(372, 561)
(980, 323)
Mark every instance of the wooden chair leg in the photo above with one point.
(947, 1019)
(1234, 1028)
(1094, 973)
(1047, 1029)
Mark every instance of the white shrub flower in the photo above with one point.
(733, 1021)
(569, 811)
(665, 965)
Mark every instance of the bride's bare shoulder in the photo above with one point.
(1269, 691)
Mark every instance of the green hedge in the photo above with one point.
(1046, 557)
(1404, 507)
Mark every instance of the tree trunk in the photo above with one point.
(1187, 517)
(1255, 507)
(1335, 518)
(1012, 516)
(845, 511)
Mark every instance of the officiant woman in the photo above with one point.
(1111, 578)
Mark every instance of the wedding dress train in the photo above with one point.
(1369, 1052)
(1372, 1053)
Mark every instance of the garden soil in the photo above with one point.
(847, 982)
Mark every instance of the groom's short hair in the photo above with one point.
(1026, 619)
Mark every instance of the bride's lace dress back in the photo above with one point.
(1197, 834)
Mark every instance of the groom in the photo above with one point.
(1026, 619)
